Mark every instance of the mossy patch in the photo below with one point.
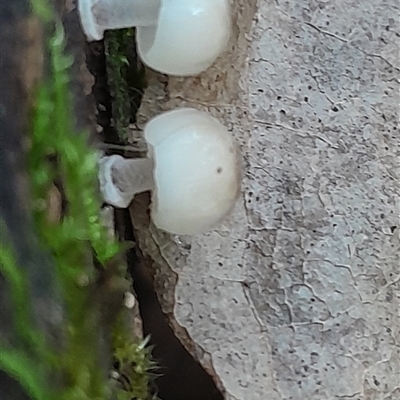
(59, 153)
(126, 78)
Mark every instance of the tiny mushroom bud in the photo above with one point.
(176, 37)
(192, 169)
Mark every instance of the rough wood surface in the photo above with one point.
(23, 66)
(296, 296)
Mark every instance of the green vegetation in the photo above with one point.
(21, 362)
(133, 367)
(126, 78)
(59, 154)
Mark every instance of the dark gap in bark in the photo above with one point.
(181, 377)
(96, 63)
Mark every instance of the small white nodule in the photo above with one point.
(193, 171)
(129, 300)
(176, 37)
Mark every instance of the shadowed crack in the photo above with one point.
(180, 377)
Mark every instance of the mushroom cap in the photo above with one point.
(197, 171)
(188, 38)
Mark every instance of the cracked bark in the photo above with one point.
(296, 295)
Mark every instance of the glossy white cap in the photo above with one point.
(189, 36)
(196, 171)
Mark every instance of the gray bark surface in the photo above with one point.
(296, 295)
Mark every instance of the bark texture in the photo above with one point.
(296, 296)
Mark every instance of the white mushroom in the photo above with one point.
(192, 169)
(177, 37)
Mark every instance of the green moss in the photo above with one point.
(133, 364)
(22, 361)
(126, 78)
(59, 153)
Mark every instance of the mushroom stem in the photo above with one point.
(133, 176)
(121, 179)
(100, 15)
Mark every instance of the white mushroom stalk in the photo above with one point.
(121, 179)
(97, 16)
(176, 37)
(192, 170)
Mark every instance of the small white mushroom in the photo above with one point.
(192, 169)
(177, 37)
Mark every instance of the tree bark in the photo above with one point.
(22, 66)
(296, 296)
